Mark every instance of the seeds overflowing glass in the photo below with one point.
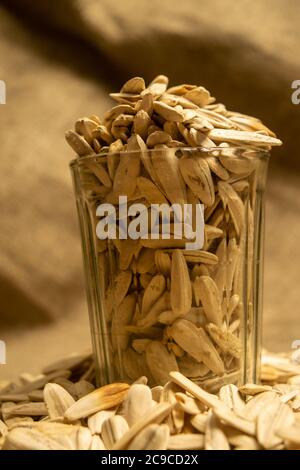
(159, 300)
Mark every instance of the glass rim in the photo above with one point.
(259, 153)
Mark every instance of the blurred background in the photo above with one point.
(59, 60)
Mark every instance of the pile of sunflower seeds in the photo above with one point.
(62, 410)
(167, 308)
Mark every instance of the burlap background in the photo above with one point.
(59, 59)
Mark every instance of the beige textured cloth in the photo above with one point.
(59, 60)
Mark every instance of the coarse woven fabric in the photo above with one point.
(60, 59)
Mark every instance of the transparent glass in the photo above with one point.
(155, 306)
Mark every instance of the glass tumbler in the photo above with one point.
(172, 242)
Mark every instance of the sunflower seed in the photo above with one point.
(243, 137)
(204, 397)
(290, 434)
(181, 299)
(15, 397)
(200, 256)
(166, 167)
(125, 98)
(186, 442)
(120, 288)
(113, 429)
(229, 394)
(157, 414)
(253, 389)
(78, 144)
(229, 417)
(234, 203)
(103, 398)
(167, 112)
(273, 416)
(160, 361)
(199, 422)
(29, 409)
(30, 439)
(238, 165)
(84, 127)
(128, 170)
(101, 132)
(57, 400)
(188, 404)
(97, 443)
(158, 138)
(196, 173)
(242, 441)
(100, 172)
(3, 428)
(215, 438)
(152, 437)
(226, 341)
(122, 317)
(192, 368)
(150, 191)
(134, 364)
(197, 344)
(157, 87)
(206, 291)
(254, 406)
(137, 403)
(134, 85)
(95, 421)
(200, 96)
(163, 262)
(152, 293)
